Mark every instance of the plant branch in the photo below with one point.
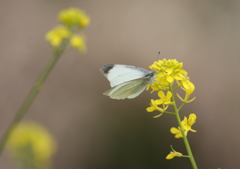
(188, 148)
(32, 94)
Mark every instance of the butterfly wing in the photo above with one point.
(129, 89)
(118, 74)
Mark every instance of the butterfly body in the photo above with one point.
(126, 81)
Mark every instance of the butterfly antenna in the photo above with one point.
(158, 55)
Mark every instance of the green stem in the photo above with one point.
(180, 106)
(188, 148)
(32, 94)
(185, 156)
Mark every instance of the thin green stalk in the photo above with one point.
(169, 112)
(181, 106)
(32, 94)
(187, 145)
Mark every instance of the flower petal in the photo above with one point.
(161, 94)
(174, 130)
(169, 95)
(170, 79)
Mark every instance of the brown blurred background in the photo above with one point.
(96, 132)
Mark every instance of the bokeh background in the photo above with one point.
(96, 132)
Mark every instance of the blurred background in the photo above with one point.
(96, 132)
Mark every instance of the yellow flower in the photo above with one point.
(74, 17)
(173, 154)
(187, 85)
(78, 42)
(186, 126)
(158, 84)
(165, 64)
(166, 76)
(168, 71)
(31, 144)
(177, 132)
(189, 88)
(154, 106)
(164, 99)
(187, 123)
(57, 35)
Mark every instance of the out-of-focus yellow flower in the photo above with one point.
(74, 17)
(78, 42)
(72, 20)
(173, 154)
(31, 145)
(57, 35)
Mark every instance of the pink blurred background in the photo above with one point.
(96, 132)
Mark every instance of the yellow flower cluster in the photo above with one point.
(169, 76)
(78, 42)
(31, 145)
(72, 20)
(169, 72)
(74, 17)
(186, 126)
(56, 36)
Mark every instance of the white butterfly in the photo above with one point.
(126, 81)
